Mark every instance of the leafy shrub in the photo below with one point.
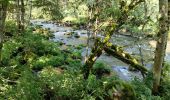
(40, 63)
(28, 87)
(46, 33)
(76, 55)
(165, 84)
(11, 27)
(8, 48)
(100, 69)
(65, 86)
(56, 61)
(143, 89)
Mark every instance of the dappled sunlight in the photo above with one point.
(84, 50)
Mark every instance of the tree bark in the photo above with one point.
(3, 12)
(30, 12)
(161, 44)
(20, 15)
(168, 13)
(99, 47)
(118, 53)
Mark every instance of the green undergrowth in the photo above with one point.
(34, 68)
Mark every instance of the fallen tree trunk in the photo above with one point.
(118, 53)
(114, 26)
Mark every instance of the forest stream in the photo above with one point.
(133, 46)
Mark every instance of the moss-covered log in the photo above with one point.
(118, 53)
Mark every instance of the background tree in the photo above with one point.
(49, 7)
(20, 11)
(3, 13)
(161, 44)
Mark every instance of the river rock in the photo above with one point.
(69, 33)
(61, 39)
(40, 25)
(56, 30)
(76, 35)
(83, 33)
(61, 43)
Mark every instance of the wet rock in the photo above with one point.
(76, 35)
(57, 31)
(53, 22)
(69, 33)
(31, 24)
(69, 37)
(61, 39)
(64, 30)
(44, 22)
(40, 25)
(59, 24)
(83, 33)
(61, 43)
(67, 23)
(56, 24)
(125, 74)
(33, 29)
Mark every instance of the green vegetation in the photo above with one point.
(34, 67)
(40, 70)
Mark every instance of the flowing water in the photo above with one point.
(131, 45)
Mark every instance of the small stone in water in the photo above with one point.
(77, 35)
(61, 39)
(83, 33)
(69, 33)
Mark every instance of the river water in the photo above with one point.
(131, 45)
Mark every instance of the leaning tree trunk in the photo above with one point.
(88, 32)
(96, 19)
(99, 47)
(3, 12)
(161, 44)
